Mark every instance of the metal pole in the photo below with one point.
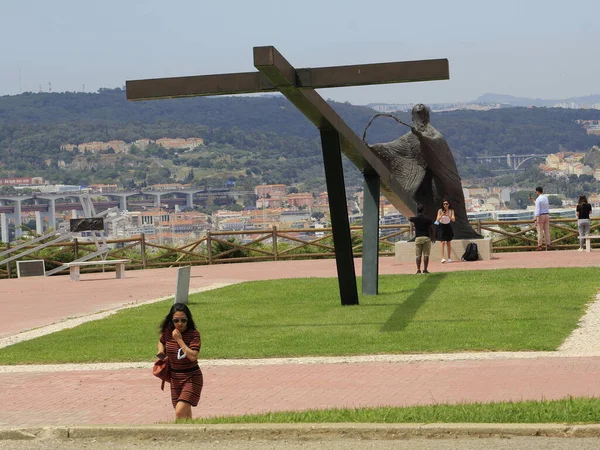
(182, 288)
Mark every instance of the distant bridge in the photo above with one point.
(45, 206)
(512, 161)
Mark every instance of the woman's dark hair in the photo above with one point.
(582, 199)
(167, 324)
(449, 204)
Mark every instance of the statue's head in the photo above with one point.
(420, 114)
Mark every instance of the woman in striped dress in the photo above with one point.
(180, 341)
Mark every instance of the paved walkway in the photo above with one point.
(42, 396)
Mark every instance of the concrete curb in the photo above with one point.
(310, 431)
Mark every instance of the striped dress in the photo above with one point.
(186, 376)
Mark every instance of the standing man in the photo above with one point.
(425, 236)
(542, 217)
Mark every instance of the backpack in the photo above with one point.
(471, 252)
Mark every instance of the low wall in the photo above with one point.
(405, 251)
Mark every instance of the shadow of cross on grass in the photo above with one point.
(406, 311)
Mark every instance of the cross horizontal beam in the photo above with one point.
(307, 78)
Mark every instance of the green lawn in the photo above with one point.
(515, 309)
(571, 410)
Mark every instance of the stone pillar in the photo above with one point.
(18, 222)
(158, 197)
(39, 222)
(189, 200)
(123, 203)
(4, 227)
(52, 214)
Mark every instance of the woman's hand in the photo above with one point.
(177, 335)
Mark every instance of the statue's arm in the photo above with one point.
(416, 132)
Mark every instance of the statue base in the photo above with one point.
(405, 251)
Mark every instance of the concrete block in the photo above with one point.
(405, 251)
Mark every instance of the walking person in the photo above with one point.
(180, 342)
(445, 217)
(542, 218)
(583, 211)
(424, 237)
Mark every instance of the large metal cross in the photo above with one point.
(275, 74)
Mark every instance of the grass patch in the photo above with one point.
(570, 410)
(501, 310)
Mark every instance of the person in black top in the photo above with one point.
(584, 210)
(425, 236)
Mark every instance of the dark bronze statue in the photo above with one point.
(422, 163)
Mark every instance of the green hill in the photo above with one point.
(249, 139)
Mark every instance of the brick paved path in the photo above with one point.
(133, 395)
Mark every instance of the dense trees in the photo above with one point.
(265, 139)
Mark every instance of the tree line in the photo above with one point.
(255, 139)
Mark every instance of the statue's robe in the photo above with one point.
(424, 166)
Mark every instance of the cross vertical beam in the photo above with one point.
(338, 210)
(370, 258)
(274, 67)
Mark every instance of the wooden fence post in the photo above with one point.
(209, 247)
(275, 253)
(479, 226)
(143, 249)
(75, 249)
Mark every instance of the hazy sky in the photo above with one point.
(531, 48)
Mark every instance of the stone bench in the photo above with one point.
(588, 241)
(118, 263)
(404, 252)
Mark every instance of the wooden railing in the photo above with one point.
(218, 247)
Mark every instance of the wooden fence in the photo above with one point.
(218, 247)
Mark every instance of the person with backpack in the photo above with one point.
(424, 237)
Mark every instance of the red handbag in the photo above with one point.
(162, 370)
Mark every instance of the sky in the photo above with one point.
(528, 48)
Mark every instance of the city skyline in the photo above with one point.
(530, 49)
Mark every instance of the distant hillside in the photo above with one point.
(249, 139)
(523, 101)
